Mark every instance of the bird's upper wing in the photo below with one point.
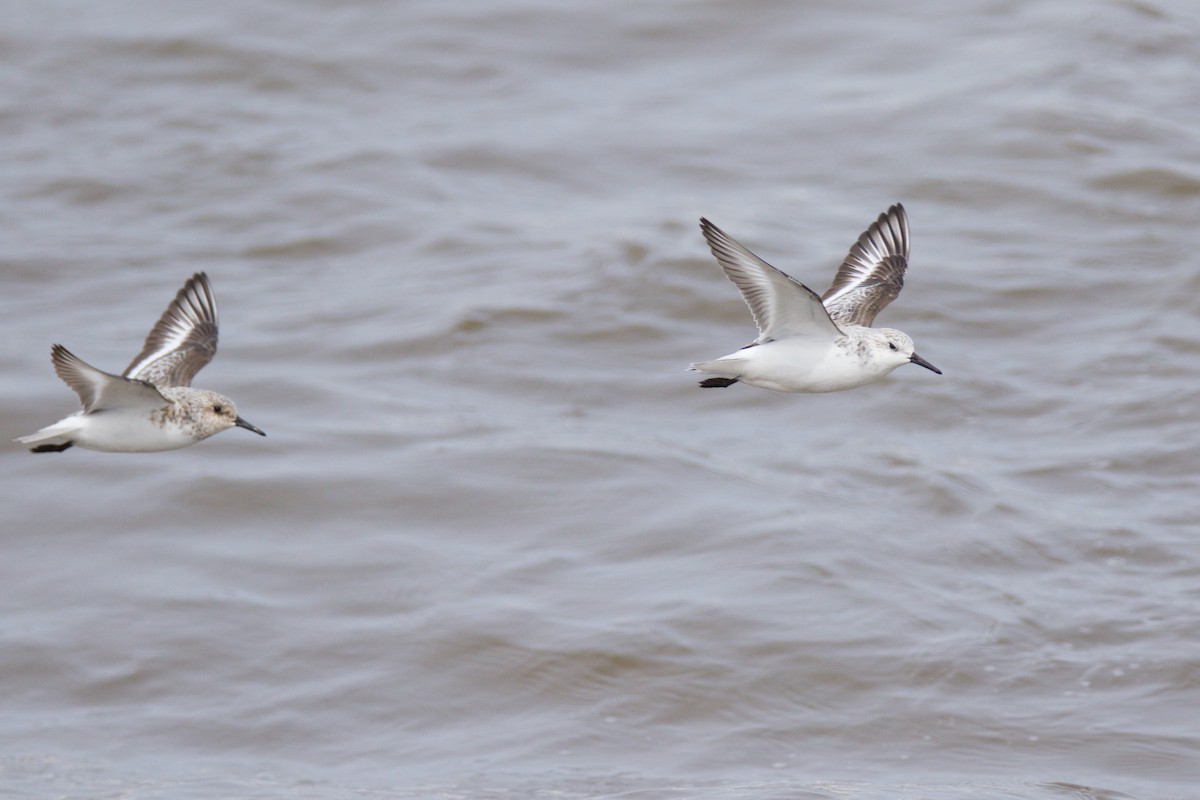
(100, 390)
(873, 273)
(781, 305)
(183, 340)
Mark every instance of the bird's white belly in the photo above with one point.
(794, 365)
(130, 431)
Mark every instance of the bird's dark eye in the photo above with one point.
(221, 409)
(893, 345)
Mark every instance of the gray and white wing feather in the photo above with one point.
(98, 390)
(781, 305)
(183, 340)
(872, 274)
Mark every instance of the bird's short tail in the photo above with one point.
(52, 438)
(51, 448)
(727, 371)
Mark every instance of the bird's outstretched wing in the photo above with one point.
(873, 273)
(183, 340)
(781, 305)
(98, 389)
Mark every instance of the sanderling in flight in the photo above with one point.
(151, 405)
(808, 343)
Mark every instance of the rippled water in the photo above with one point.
(497, 543)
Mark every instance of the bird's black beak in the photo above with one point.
(241, 423)
(914, 358)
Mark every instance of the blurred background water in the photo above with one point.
(497, 542)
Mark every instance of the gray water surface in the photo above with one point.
(497, 542)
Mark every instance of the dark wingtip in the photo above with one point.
(896, 209)
(200, 278)
(717, 383)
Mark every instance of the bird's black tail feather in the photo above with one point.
(713, 383)
(51, 448)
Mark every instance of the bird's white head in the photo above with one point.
(212, 413)
(895, 348)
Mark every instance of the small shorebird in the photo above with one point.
(808, 343)
(151, 405)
